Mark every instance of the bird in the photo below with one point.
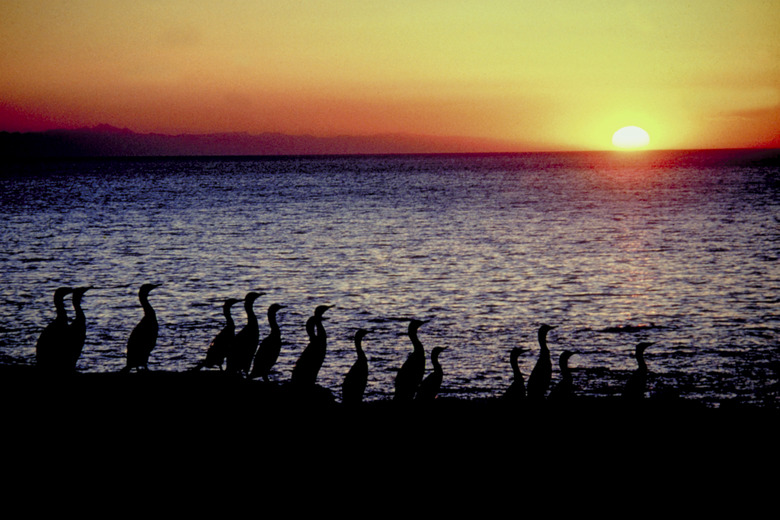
(516, 390)
(268, 351)
(239, 358)
(143, 337)
(412, 371)
(354, 385)
(77, 331)
(308, 366)
(635, 386)
(223, 341)
(564, 389)
(539, 380)
(430, 386)
(50, 350)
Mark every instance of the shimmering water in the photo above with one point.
(486, 247)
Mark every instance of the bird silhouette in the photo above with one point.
(268, 351)
(516, 390)
(222, 343)
(539, 380)
(77, 331)
(564, 389)
(143, 337)
(51, 352)
(635, 386)
(307, 368)
(354, 385)
(412, 371)
(239, 358)
(430, 386)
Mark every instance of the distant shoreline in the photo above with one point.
(106, 142)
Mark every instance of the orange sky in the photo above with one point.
(559, 75)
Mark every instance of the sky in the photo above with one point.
(556, 75)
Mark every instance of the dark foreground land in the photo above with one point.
(118, 441)
(198, 405)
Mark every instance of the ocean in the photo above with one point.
(612, 248)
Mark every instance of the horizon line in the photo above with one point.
(520, 148)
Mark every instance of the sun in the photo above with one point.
(630, 137)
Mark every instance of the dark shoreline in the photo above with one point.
(115, 394)
(206, 426)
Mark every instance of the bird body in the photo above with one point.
(222, 343)
(413, 369)
(143, 337)
(308, 366)
(539, 380)
(270, 347)
(77, 331)
(354, 385)
(564, 389)
(516, 390)
(635, 386)
(239, 358)
(430, 386)
(51, 348)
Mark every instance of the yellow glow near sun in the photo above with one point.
(630, 137)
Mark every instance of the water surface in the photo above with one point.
(683, 245)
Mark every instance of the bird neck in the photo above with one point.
(515, 367)
(310, 329)
(543, 342)
(59, 306)
(321, 336)
(79, 311)
(436, 364)
(272, 322)
(148, 310)
(229, 318)
(640, 360)
(251, 318)
(417, 344)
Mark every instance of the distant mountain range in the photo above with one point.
(109, 141)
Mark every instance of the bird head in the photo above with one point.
(251, 296)
(360, 334)
(61, 292)
(147, 288)
(416, 324)
(274, 308)
(517, 351)
(436, 351)
(544, 328)
(565, 355)
(232, 301)
(642, 346)
(78, 292)
(320, 310)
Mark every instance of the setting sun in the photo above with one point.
(630, 137)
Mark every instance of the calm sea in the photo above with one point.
(681, 246)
